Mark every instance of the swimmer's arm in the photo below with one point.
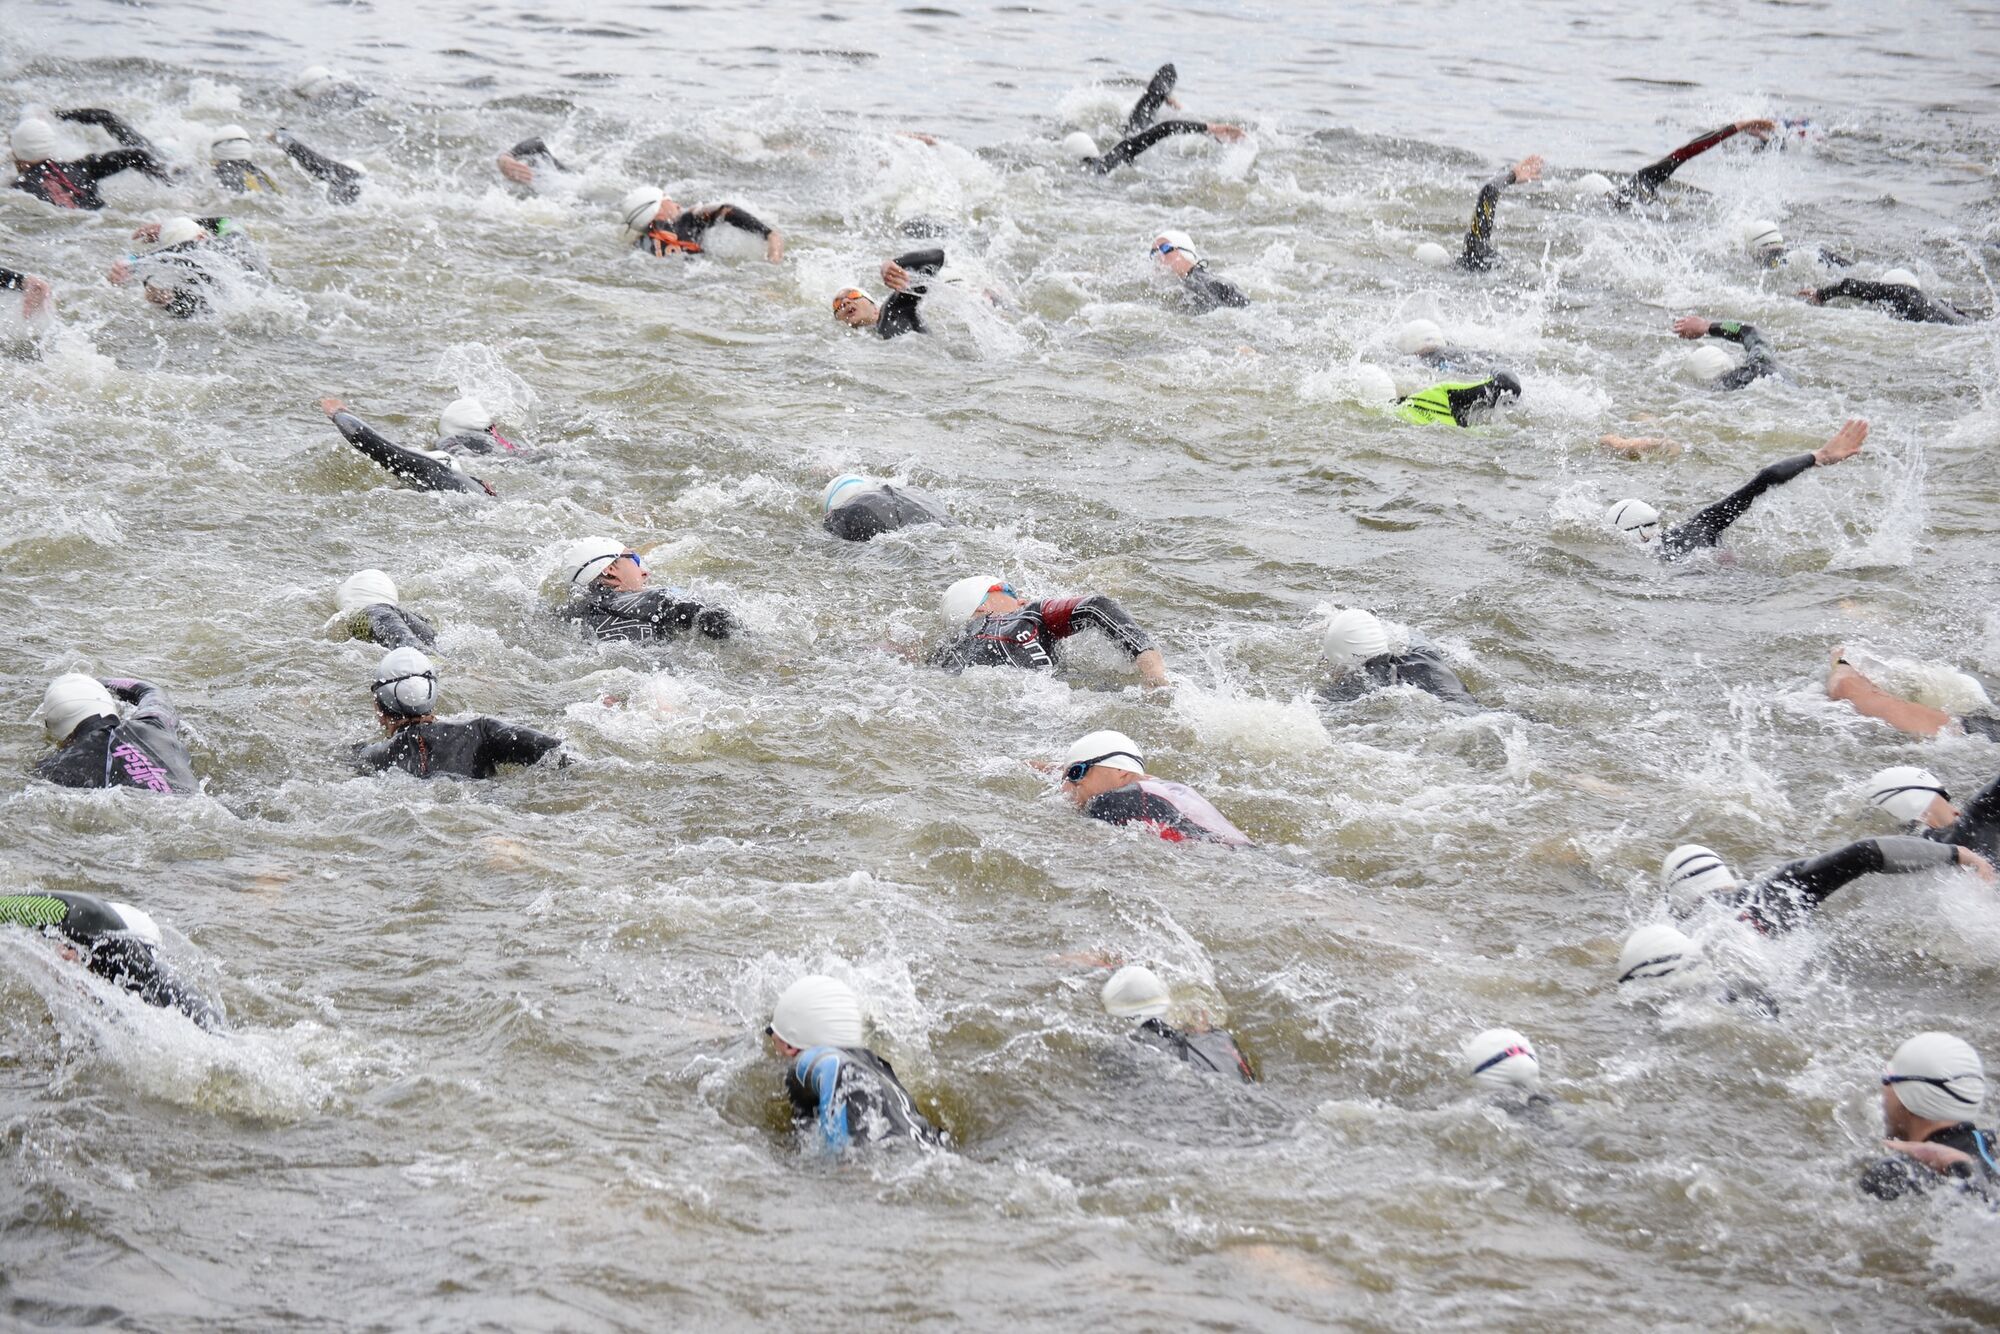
(36, 293)
(99, 165)
(774, 240)
(109, 123)
(925, 262)
(402, 462)
(149, 700)
(505, 743)
(824, 1081)
(1159, 89)
(1129, 148)
(687, 614)
(1985, 807)
(1061, 617)
(1479, 252)
(393, 628)
(314, 164)
(1649, 178)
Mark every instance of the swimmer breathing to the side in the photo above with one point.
(1201, 291)
(897, 315)
(988, 624)
(661, 226)
(1105, 777)
(1918, 800)
(610, 599)
(1845, 682)
(1712, 365)
(1136, 992)
(74, 182)
(1643, 185)
(1931, 1089)
(1460, 403)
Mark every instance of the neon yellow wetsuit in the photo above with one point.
(1453, 404)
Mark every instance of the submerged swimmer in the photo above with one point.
(1105, 777)
(1767, 248)
(1713, 365)
(609, 598)
(467, 427)
(1706, 528)
(116, 941)
(1643, 185)
(857, 508)
(74, 182)
(993, 626)
(37, 294)
(405, 687)
(1918, 800)
(847, 1094)
(1479, 254)
(1931, 1089)
(423, 469)
(1659, 951)
(1503, 1062)
(229, 158)
(179, 270)
(95, 747)
(661, 226)
(897, 315)
(1358, 645)
(371, 611)
(1783, 898)
(1846, 683)
(1136, 992)
(1201, 291)
(1465, 403)
(1425, 341)
(320, 87)
(1899, 293)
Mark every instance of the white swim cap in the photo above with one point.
(640, 206)
(1629, 515)
(1901, 277)
(72, 700)
(1135, 992)
(231, 141)
(1179, 241)
(313, 80)
(1594, 183)
(836, 486)
(1655, 951)
(35, 140)
(1500, 1058)
(818, 1011)
(137, 920)
(1691, 874)
(1709, 362)
(1108, 750)
(1373, 386)
(1079, 145)
(1417, 335)
(405, 684)
(1938, 1076)
(1905, 791)
(583, 561)
(1432, 255)
(465, 416)
(962, 599)
(178, 231)
(1761, 237)
(366, 588)
(1354, 635)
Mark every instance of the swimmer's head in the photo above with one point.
(1692, 875)
(1503, 1060)
(1594, 185)
(855, 308)
(178, 231)
(1079, 145)
(1176, 251)
(1135, 992)
(964, 599)
(817, 1011)
(1937, 1076)
(405, 684)
(640, 206)
(1762, 238)
(1374, 386)
(841, 490)
(313, 80)
(35, 140)
(1418, 336)
(1655, 951)
(1709, 362)
(1909, 794)
(72, 700)
(1354, 636)
(1100, 762)
(590, 559)
(1431, 255)
(231, 142)
(1503, 389)
(1635, 517)
(1901, 278)
(465, 416)
(137, 922)
(366, 588)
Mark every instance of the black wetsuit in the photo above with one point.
(683, 235)
(533, 150)
(1893, 1177)
(1202, 291)
(243, 176)
(849, 1096)
(1904, 301)
(343, 183)
(187, 276)
(1131, 146)
(109, 949)
(74, 184)
(1455, 403)
(1421, 667)
(1758, 361)
(480, 444)
(11, 281)
(1981, 725)
(141, 750)
(865, 513)
(1780, 900)
(1643, 185)
(1174, 811)
(646, 615)
(898, 315)
(421, 471)
(1025, 637)
(1214, 1051)
(1157, 91)
(1977, 826)
(392, 627)
(472, 749)
(1706, 528)
(1479, 254)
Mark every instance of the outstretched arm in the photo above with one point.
(1127, 149)
(1479, 253)
(1707, 527)
(420, 470)
(1645, 182)
(505, 743)
(147, 699)
(109, 123)
(343, 181)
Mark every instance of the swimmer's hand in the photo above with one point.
(37, 295)
(1846, 443)
(1757, 129)
(1691, 326)
(1811, 296)
(1636, 447)
(774, 246)
(147, 232)
(1227, 134)
(895, 276)
(1091, 959)
(516, 170)
(121, 273)
(1937, 1157)
(1042, 766)
(1152, 669)
(1976, 864)
(1528, 168)
(927, 139)
(331, 405)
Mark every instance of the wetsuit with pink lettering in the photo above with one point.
(143, 749)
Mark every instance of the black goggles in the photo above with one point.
(1075, 772)
(1944, 1084)
(1492, 1061)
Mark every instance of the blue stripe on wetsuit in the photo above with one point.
(818, 1068)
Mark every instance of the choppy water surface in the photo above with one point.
(496, 1055)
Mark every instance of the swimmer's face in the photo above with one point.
(1097, 778)
(854, 310)
(778, 1044)
(624, 575)
(1895, 1117)
(1646, 532)
(669, 210)
(1180, 261)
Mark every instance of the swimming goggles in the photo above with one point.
(1075, 772)
(1492, 1061)
(1944, 1084)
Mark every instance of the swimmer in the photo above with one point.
(1706, 528)
(1783, 898)
(466, 427)
(1659, 951)
(424, 470)
(1846, 683)
(847, 1094)
(1467, 403)
(405, 687)
(1201, 291)
(659, 225)
(1712, 364)
(993, 626)
(1105, 777)
(177, 272)
(1918, 800)
(609, 598)
(1083, 148)
(95, 747)
(1136, 992)
(1643, 186)
(1423, 340)
(1766, 246)
(1899, 293)
(229, 158)
(321, 88)
(857, 508)
(517, 164)
(1931, 1089)
(73, 182)
(370, 610)
(1479, 254)
(37, 295)
(116, 941)
(898, 315)
(1358, 645)
(342, 180)
(1503, 1063)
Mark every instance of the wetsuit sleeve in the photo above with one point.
(1479, 253)
(33, 910)
(687, 614)
(822, 1080)
(1707, 527)
(420, 470)
(1759, 361)
(899, 314)
(1904, 301)
(1063, 617)
(1646, 181)
(100, 165)
(149, 701)
(529, 149)
(738, 218)
(926, 262)
(394, 628)
(109, 123)
(1127, 149)
(1150, 101)
(1984, 808)
(505, 743)
(343, 181)
(11, 281)
(950, 656)
(1202, 291)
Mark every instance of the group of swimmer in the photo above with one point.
(121, 732)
